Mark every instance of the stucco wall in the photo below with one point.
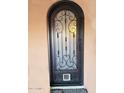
(38, 51)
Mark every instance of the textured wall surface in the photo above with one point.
(38, 47)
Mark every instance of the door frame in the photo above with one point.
(60, 5)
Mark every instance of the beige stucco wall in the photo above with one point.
(38, 51)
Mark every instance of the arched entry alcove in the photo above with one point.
(66, 44)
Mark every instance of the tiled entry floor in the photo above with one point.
(82, 90)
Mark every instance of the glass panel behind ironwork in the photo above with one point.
(64, 40)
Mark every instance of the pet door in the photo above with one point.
(66, 37)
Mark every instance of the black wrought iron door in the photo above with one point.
(66, 47)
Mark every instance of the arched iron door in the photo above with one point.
(66, 44)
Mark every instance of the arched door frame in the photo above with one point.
(72, 6)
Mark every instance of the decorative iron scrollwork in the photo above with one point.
(64, 38)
